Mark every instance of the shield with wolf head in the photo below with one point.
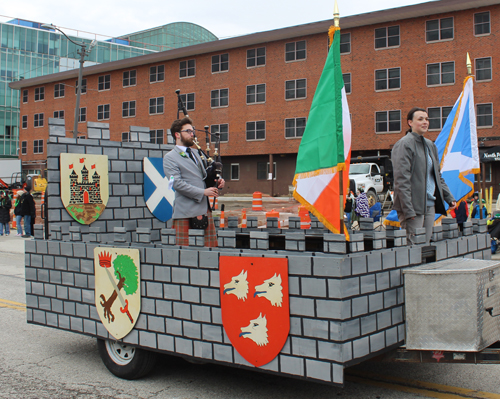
(158, 193)
(117, 288)
(254, 305)
(84, 185)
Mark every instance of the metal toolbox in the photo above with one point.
(453, 305)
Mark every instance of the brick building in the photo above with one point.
(256, 90)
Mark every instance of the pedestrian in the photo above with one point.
(461, 213)
(187, 173)
(17, 213)
(419, 189)
(476, 214)
(474, 202)
(362, 206)
(27, 210)
(5, 205)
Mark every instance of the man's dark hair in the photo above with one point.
(177, 125)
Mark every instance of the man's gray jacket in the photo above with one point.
(189, 186)
(409, 162)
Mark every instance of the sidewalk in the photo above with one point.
(12, 244)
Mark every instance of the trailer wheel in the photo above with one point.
(372, 198)
(126, 361)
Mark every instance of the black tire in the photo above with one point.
(126, 361)
(372, 198)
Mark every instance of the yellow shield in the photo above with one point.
(117, 288)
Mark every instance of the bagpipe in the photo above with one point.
(213, 166)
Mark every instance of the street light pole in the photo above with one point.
(83, 52)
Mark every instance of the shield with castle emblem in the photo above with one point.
(158, 193)
(84, 185)
(255, 306)
(117, 288)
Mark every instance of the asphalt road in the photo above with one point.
(41, 362)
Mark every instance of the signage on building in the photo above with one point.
(489, 154)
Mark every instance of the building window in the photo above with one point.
(223, 131)
(387, 37)
(156, 105)
(188, 101)
(39, 93)
(485, 115)
(128, 109)
(24, 147)
(295, 51)
(102, 112)
(295, 89)
(59, 90)
(439, 29)
(59, 114)
(256, 94)
(483, 68)
(345, 43)
(25, 121)
(294, 127)
(441, 73)
(156, 136)
(38, 147)
(235, 171)
(129, 78)
(388, 79)
(220, 63)
(256, 130)
(25, 96)
(482, 23)
(84, 86)
(347, 82)
(126, 137)
(187, 68)
(256, 57)
(157, 73)
(219, 98)
(38, 120)
(437, 117)
(263, 171)
(104, 83)
(388, 121)
(82, 115)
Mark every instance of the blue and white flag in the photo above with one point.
(457, 145)
(457, 149)
(158, 193)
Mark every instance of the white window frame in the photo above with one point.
(103, 112)
(105, 82)
(59, 114)
(386, 47)
(82, 115)
(126, 136)
(186, 101)
(187, 68)
(25, 94)
(439, 30)
(440, 74)
(129, 78)
(156, 105)
(350, 82)
(36, 120)
(24, 121)
(153, 136)
(156, 74)
(295, 89)
(255, 131)
(256, 57)
(219, 63)
(477, 116)
(24, 147)
(128, 108)
(231, 171)
(294, 52)
(345, 34)
(474, 24)
(217, 127)
(84, 86)
(295, 136)
(218, 91)
(388, 122)
(490, 69)
(36, 146)
(255, 94)
(40, 94)
(58, 88)
(442, 119)
(387, 79)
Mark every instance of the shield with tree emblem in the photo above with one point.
(117, 288)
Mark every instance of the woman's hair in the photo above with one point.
(410, 115)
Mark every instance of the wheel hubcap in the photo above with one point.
(120, 353)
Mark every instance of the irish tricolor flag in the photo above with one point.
(325, 149)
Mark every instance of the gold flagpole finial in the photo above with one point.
(469, 65)
(336, 16)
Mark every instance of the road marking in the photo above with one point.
(417, 387)
(5, 303)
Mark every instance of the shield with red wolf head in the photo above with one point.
(254, 305)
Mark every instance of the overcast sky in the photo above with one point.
(224, 18)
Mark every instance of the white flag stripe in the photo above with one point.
(161, 184)
(311, 188)
(346, 124)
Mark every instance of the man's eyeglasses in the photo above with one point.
(188, 131)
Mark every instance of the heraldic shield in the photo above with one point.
(158, 194)
(84, 185)
(117, 288)
(255, 306)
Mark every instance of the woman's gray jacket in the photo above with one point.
(409, 162)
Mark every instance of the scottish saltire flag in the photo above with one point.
(158, 195)
(457, 145)
(457, 149)
(325, 148)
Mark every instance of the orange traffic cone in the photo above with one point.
(305, 221)
(222, 223)
(244, 219)
(14, 224)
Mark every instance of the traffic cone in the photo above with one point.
(14, 224)
(305, 221)
(244, 219)
(222, 223)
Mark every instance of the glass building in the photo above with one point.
(27, 50)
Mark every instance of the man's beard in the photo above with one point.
(189, 142)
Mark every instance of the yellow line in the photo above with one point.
(420, 387)
(22, 309)
(12, 302)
